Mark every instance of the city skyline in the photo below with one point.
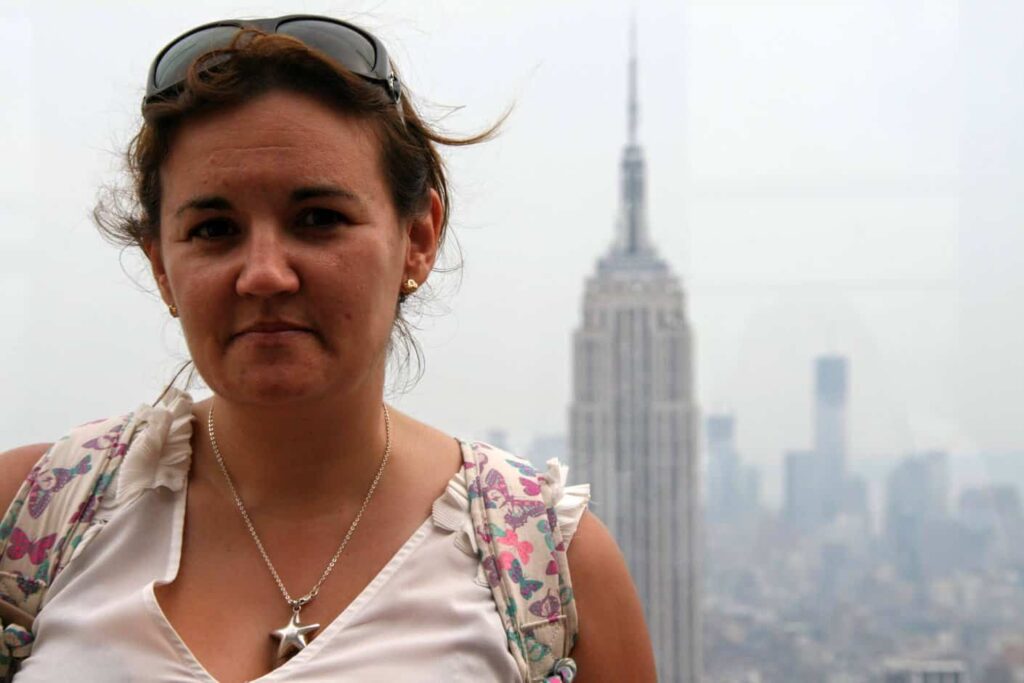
(934, 589)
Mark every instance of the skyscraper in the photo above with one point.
(805, 495)
(724, 496)
(634, 420)
(732, 488)
(830, 430)
(916, 514)
(818, 488)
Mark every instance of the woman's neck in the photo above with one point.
(301, 458)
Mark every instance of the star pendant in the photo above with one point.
(292, 637)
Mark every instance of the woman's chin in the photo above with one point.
(272, 386)
(289, 377)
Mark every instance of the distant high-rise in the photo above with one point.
(634, 420)
(915, 514)
(991, 508)
(817, 486)
(804, 494)
(732, 488)
(723, 481)
(830, 379)
(994, 513)
(919, 485)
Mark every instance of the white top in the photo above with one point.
(427, 616)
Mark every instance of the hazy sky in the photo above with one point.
(831, 176)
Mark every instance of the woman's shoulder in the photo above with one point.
(80, 449)
(15, 466)
(613, 636)
(18, 464)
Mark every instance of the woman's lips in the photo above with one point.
(272, 331)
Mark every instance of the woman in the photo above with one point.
(289, 200)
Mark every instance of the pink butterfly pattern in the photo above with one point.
(21, 545)
(518, 510)
(48, 483)
(530, 486)
(526, 586)
(523, 548)
(110, 439)
(547, 607)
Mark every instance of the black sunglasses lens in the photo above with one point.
(347, 47)
(175, 62)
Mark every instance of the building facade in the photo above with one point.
(818, 488)
(724, 473)
(634, 420)
(804, 492)
(733, 489)
(830, 391)
(918, 532)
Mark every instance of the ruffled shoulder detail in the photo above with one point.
(451, 510)
(451, 513)
(160, 453)
(570, 501)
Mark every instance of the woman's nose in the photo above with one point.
(267, 267)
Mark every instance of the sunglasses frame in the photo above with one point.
(381, 72)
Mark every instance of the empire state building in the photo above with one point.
(634, 419)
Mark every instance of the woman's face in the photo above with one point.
(281, 248)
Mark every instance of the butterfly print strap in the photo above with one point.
(46, 524)
(523, 556)
(48, 483)
(21, 545)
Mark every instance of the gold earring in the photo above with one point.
(173, 310)
(410, 286)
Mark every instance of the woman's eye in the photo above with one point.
(217, 228)
(320, 218)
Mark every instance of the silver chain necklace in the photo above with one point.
(292, 636)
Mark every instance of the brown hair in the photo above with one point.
(257, 63)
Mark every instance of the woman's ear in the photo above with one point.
(424, 240)
(156, 264)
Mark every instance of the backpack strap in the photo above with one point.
(523, 556)
(47, 523)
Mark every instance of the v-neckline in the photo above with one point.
(329, 632)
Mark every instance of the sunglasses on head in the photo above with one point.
(350, 46)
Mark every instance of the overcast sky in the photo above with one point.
(833, 176)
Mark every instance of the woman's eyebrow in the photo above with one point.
(219, 203)
(204, 202)
(313, 191)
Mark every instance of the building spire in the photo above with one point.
(632, 247)
(633, 107)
